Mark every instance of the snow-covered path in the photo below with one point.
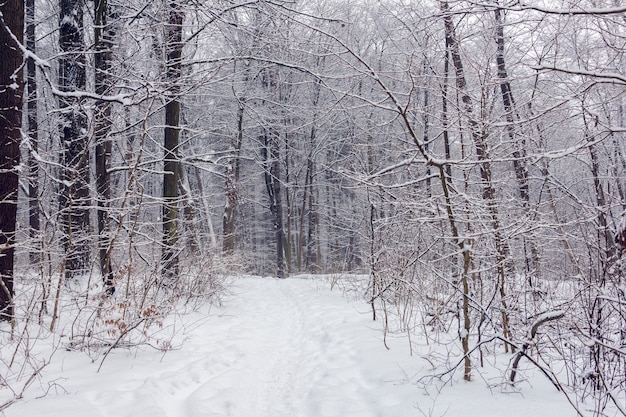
(284, 356)
(278, 348)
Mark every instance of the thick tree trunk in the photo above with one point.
(103, 37)
(11, 91)
(33, 137)
(174, 47)
(75, 196)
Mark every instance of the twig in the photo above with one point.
(114, 344)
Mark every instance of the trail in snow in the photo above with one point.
(278, 348)
(293, 355)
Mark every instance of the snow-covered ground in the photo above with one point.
(276, 348)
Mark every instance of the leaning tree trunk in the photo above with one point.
(174, 47)
(11, 91)
(75, 196)
(519, 151)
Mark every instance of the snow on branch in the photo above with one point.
(532, 332)
(542, 319)
(591, 11)
(613, 76)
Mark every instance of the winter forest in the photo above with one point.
(458, 166)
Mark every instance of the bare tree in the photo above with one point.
(75, 194)
(11, 91)
(173, 50)
(103, 38)
(33, 133)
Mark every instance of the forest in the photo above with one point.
(466, 157)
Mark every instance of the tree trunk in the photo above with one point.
(519, 148)
(313, 255)
(478, 138)
(103, 38)
(271, 151)
(206, 210)
(272, 183)
(33, 137)
(232, 181)
(189, 211)
(303, 212)
(174, 46)
(444, 110)
(521, 172)
(287, 246)
(11, 92)
(75, 196)
(426, 122)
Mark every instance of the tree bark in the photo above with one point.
(189, 211)
(519, 147)
(75, 196)
(232, 181)
(33, 136)
(103, 38)
(272, 183)
(174, 47)
(478, 138)
(521, 171)
(11, 92)
(313, 255)
(272, 174)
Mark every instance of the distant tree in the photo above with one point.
(233, 170)
(11, 91)
(271, 151)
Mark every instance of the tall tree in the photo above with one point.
(271, 151)
(33, 132)
(11, 91)
(233, 168)
(519, 146)
(103, 38)
(75, 196)
(478, 136)
(174, 49)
